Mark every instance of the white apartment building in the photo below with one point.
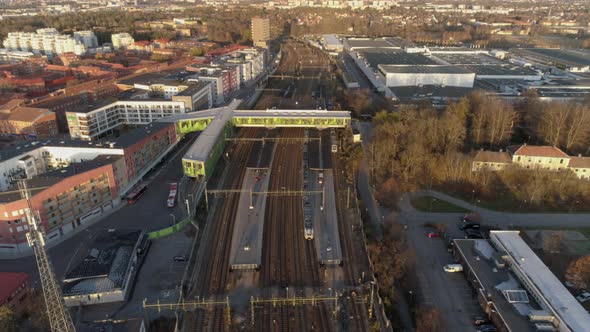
(7, 56)
(121, 40)
(36, 158)
(87, 38)
(44, 41)
(141, 107)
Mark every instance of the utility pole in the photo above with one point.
(59, 317)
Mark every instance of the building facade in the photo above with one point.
(121, 40)
(260, 31)
(44, 41)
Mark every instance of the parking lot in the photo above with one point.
(450, 293)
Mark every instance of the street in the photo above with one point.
(148, 213)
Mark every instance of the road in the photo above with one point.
(149, 213)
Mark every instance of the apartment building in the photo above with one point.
(532, 157)
(260, 31)
(121, 40)
(86, 38)
(73, 182)
(46, 41)
(7, 56)
(145, 98)
(224, 78)
(28, 121)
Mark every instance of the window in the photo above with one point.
(561, 161)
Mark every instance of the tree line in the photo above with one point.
(419, 147)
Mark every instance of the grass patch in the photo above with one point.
(431, 204)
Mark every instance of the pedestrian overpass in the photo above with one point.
(215, 126)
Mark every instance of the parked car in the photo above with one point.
(453, 268)
(585, 296)
(180, 258)
(480, 320)
(432, 234)
(486, 328)
(469, 225)
(473, 234)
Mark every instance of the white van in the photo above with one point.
(453, 268)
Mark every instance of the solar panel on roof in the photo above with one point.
(516, 296)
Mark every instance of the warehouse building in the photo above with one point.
(106, 272)
(419, 75)
(515, 288)
(573, 60)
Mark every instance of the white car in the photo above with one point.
(583, 297)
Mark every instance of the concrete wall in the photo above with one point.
(417, 79)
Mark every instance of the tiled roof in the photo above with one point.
(28, 114)
(579, 162)
(492, 157)
(538, 151)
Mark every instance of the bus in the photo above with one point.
(136, 193)
(172, 195)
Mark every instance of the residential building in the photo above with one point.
(28, 121)
(73, 182)
(147, 98)
(7, 56)
(86, 38)
(44, 41)
(532, 157)
(491, 160)
(14, 290)
(121, 40)
(543, 157)
(260, 31)
(580, 166)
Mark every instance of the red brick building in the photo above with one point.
(14, 289)
(64, 198)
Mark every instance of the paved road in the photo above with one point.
(493, 218)
(149, 213)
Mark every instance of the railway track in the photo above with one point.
(213, 276)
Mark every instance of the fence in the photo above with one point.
(169, 230)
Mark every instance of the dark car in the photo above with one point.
(468, 225)
(473, 234)
(480, 320)
(180, 258)
(486, 328)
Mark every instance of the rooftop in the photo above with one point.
(9, 282)
(579, 162)
(105, 264)
(468, 59)
(572, 57)
(193, 87)
(500, 70)
(332, 40)
(169, 77)
(537, 151)
(138, 134)
(492, 157)
(201, 149)
(355, 43)
(380, 56)
(47, 179)
(479, 257)
(421, 69)
(554, 293)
